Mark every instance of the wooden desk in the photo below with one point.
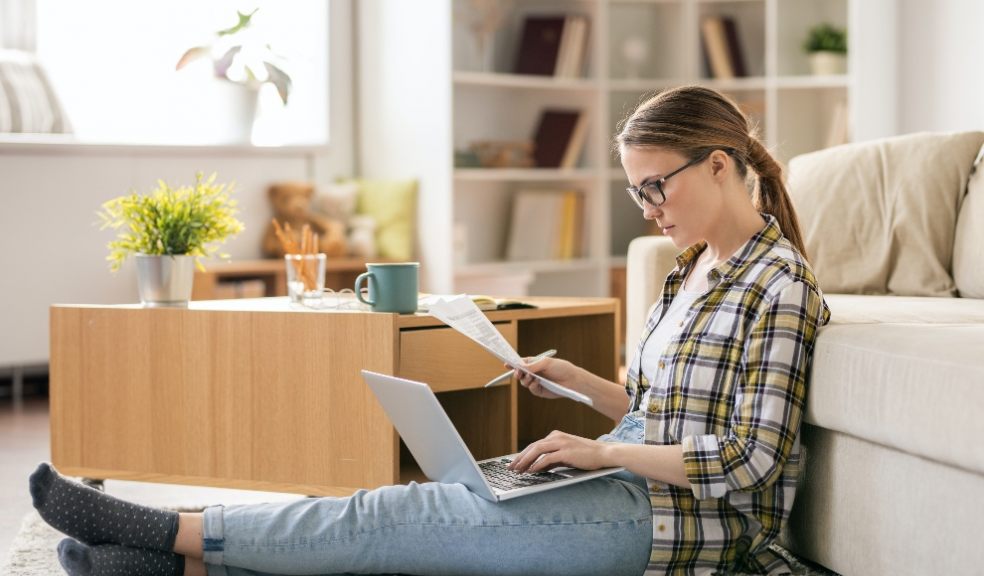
(252, 394)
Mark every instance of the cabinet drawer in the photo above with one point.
(448, 360)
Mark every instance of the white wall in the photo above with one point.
(51, 251)
(941, 65)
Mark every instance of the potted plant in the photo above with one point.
(241, 58)
(168, 231)
(826, 45)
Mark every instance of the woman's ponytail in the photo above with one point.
(770, 195)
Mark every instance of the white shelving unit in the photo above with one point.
(425, 92)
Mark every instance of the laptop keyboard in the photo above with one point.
(501, 477)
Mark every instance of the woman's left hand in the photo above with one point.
(562, 449)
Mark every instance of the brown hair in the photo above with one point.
(694, 121)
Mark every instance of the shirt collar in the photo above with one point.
(754, 247)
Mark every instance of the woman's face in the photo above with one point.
(689, 207)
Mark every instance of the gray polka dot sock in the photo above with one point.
(111, 560)
(92, 517)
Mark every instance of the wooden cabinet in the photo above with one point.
(253, 394)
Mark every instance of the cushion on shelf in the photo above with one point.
(968, 245)
(393, 205)
(879, 217)
(28, 103)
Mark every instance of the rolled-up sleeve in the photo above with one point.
(769, 403)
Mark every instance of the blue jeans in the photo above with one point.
(601, 526)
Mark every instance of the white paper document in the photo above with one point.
(464, 316)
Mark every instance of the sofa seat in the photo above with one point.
(855, 309)
(900, 372)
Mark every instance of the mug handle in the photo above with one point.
(358, 288)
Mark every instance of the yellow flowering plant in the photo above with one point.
(189, 220)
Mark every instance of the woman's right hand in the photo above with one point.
(559, 371)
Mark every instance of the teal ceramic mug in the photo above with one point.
(392, 287)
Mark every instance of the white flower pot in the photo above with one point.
(828, 63)
(165, 281)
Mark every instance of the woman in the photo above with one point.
(708, 420)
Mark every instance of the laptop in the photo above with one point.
(443, 456)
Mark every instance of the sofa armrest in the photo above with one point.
(649, 260)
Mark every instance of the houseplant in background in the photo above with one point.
(168, 231)
(241, 58)
(826, 46)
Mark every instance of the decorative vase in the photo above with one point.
(165, 281)
(825, 63)
(236, 105)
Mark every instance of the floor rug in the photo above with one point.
(32, 552)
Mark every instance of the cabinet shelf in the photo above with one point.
(522, 174)
(492, 268)
(503, 80)
(806, 82)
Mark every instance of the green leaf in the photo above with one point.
(244, 20)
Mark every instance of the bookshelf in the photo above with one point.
(451, 94)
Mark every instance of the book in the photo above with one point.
(554, 133)
(715, 44)
(565, 244)
(735, 54)
(576, 143)
(546, 225)
(539, 45)
(535, 225)
(570, 59)
(482, 301)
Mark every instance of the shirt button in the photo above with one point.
(661, 527)
(662, 364)
(680, 324)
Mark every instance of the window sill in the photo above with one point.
(65, 144)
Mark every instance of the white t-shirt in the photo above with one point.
(668, 328)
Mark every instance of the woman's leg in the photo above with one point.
(188, 541)
(601, 526)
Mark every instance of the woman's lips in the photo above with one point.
(667, 228)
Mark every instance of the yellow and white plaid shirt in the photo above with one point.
(731, 389)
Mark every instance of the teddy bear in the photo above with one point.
(291, 202)
(338, 201)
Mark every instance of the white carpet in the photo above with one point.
(33, 552)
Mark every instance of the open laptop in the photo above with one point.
(443, 456)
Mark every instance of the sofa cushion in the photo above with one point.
(968, 246)
(879, 216)
(910, 386)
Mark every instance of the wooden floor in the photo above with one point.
(24, 442)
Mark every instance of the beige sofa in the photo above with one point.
(894, 428)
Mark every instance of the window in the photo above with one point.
(112, 65)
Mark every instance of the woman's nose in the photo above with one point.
(650, 212)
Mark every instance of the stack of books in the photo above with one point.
(546, 225)
(552, 46)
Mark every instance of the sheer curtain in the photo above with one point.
(18, 25)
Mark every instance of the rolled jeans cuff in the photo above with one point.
(213, 540)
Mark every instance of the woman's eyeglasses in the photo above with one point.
(652, 192)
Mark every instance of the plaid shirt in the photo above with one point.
(731, 389)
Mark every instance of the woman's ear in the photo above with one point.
(720, 164)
